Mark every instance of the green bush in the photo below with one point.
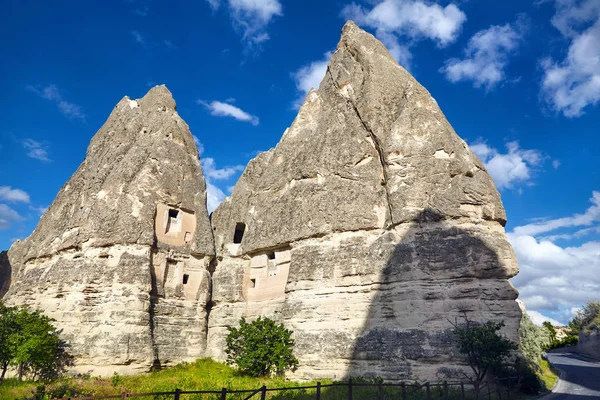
(30, 342)
(261, 348)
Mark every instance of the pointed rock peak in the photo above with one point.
(158, 96)
(357, 40)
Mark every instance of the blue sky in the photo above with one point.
(519, 81)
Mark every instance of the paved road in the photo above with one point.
(579, 378)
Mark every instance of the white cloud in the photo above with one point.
(590, 216)
(251, 17)
(538, 319)
(553, 279)
(39, 210)
(8, 216)
(214, 194)
(486, 55)
(555, 164)
(220, 109)
(571, 85)
(209, 167)
(13, 195)
(37, 150)
(411, 19)
(214, 197)
(309, 77)
(510, 168)
(68, 109)
(138, 37)
(199, 145)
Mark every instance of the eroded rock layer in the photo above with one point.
(120, 259)
(366, 230)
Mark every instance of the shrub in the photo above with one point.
(484, 348)
(261, 348)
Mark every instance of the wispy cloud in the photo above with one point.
(553, 279)
(251, 18)
(52, 93)
(209, 167)
(220, 109)
(406, 21)
(35, 149)
(214, 194)
(487, 55)
(8, 216)
(590, 216)
(309, 77)
(138, 38)
(571, 85)
(508, 169)
(11, 195)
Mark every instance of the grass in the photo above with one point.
(547, 374)
(206, 374)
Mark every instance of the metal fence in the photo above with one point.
(351, 390)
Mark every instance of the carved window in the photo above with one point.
(271, 255)
(185, 278)
(240, 228)
(173, 221)
(252, 283)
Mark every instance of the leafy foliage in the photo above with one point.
(29, 341)
(261, 348)
(483, 346)
(587, 319)
(533, 339)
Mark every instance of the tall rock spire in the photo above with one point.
(366, 228)
(126, 241)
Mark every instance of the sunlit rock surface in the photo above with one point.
(366, 230)
(120, 258)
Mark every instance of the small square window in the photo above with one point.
(185, 278)
(271, 255)
(252, 283)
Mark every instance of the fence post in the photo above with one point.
(124, 395)
(350, 389)
(263, 392)
(498, 390)
(224, 394)
(508, 388)
(403, 385)
(428, 390)
(462, 391)
(177, 393)
(489, 384)
(380, 390)
(318, 390)
(445, 390)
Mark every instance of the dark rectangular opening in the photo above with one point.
(185, 278)
(173, 213)
(240, 227)
(271, 255)
(252, 283)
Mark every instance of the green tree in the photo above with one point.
(261, 348)
(533, 339)
(484, 348)
(587, 319)
(31, 343)
(550, 328)
(7, 329)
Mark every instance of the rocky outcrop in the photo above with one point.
(120, 259)
(5, 272)
(366, 229)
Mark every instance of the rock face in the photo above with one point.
(365, 229)
(120, 259)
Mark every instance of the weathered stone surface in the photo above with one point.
(120, 257)
(365, 230)
(5, 272)
(389, 223)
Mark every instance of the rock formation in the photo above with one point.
(365, 230)
(120, 259)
